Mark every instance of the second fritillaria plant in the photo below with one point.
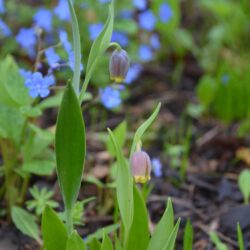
(70, 154)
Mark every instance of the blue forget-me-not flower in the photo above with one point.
(133, 73)
(140, 4)
(94, 30)
(4, 29)
(145, 53)
(2, 7)
(43, 19)
(110, 97)
(38, 84)
(155, 41)
(52, 57)
(157, 167)
(27, 39)
(165, 12)
(120, 37)
(147, 20)
(104, 1)
(62, 10)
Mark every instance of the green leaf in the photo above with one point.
(138, 237)
(215, 239)
(206, 90)
(13, 93)
(120, 135)
(53, 231)
(244, 184)
(75, 242)
(106, 243)
(188, 236)
(77, 48)
(142, 129)
(163, 230)
(240, 237)
(39, 167)
(25, 222)
(11, 125)
(95, 245)
(51, 101)
(98, 48)
(70, 146)
(99, 233)
(124, 186)
(172, 238)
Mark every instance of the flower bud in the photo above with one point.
(140, 167)
(118, 65)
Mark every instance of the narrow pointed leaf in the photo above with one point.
(53, 230)
(142, 129)
(75, 242)
(163, 230)
(124, 186)
(98, 48)
(240, 237)
(188, 237)
(172, 239)
(70, 146)
(106, 243)
(77, 48)
(138, 237)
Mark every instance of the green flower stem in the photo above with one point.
(76, 47)
(8, 153)
(69, 221)
(116, 45)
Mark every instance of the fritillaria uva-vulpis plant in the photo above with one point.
(70, 154)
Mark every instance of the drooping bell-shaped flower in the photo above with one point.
(119, 65)
(141, 167)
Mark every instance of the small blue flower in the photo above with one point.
(27, 39)
(104, 1)
(120, 37)
(72, 61)
(155, 41)
(52, 57)
(140, 4)
(157, 167)
(43, 19)
(25, 74)
(2, 7)
(94, 30)
(133, 73)
(62, 10)
(145, 53)
(110, 97)
(4, 29)
(63, 36)
(225, 79)
(126, 14)
(147, 20)
(39, 85)
(165, 12)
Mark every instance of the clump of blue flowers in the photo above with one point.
(37, 84)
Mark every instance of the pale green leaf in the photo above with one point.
(98, 48)
(188, 236)
(142, 129)
(25, 222)
(124, 186)
(106, 243)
